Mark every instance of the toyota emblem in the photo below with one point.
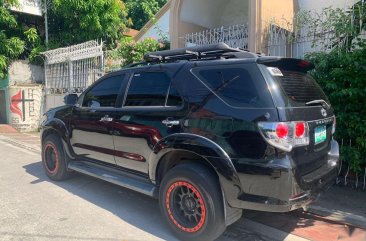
(324, 112)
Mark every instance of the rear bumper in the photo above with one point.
(276, 188)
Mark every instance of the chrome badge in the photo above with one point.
(324, 112)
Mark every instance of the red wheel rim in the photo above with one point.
(185, 206)
(51, 158)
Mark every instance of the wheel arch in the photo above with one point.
(179, 156)
(183, 148)
(57, 127)
(179, 148)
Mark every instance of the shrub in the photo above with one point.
(341, 74)
(132, 52)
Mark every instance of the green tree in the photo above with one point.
(342, 76)
(341, 73)
(15, 40)
(141, 11)
(77, 21)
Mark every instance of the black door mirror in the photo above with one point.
(71, 99)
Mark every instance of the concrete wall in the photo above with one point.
(318, 5)
(26, 103)
(54, 100)
(21, 72)
(160, 27)
(265, 12)
(25, 96)
(213, 14)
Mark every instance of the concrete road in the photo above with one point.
(34, 208)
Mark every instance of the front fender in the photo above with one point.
(58, 126)
(205, 148)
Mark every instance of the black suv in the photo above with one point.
(208, 130)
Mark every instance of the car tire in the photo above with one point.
(54, 159)
(191, 202)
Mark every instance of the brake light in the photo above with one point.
(285, 135)
(282, 130)
(299, 129)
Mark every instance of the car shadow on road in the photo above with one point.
(143, 212)
(134, 208)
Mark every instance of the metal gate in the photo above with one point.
(317, 33)
(71, 70)
(236, 36)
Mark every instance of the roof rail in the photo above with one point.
(212, 51)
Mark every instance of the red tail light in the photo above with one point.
(285, 135)
(282, 130)
(299, 129)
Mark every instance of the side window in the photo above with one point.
(148, 89)
(105, 93)
(174, 98)
(236, 86)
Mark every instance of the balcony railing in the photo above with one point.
(236, 36)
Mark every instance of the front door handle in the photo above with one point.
(106, 118)
(170, 123)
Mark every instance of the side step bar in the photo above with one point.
(117, 177)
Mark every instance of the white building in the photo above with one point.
(158, 26)
(240, 23)
(319, 5)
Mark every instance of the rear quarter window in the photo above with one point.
(239, 86)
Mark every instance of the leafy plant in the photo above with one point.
(14, 38)
(340, 70)
(76, 21)
(342, 76)
(131, 51)
(141, 11)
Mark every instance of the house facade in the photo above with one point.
(240, 23)
(159, 26)
(318, 6)
(196, 22)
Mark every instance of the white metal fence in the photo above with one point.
(313, 31)
(72, 69)
(236, 36)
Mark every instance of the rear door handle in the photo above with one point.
(106, 118)
(170, 123)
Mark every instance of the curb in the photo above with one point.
(20, 144)
(338, 216)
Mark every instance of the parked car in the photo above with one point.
(208, 130)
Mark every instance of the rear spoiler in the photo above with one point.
(289, 64)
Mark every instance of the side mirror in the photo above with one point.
(71, 99)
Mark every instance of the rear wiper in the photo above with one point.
(321, 102)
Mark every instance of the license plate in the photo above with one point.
(320, 134)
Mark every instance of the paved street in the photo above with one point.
(34, 208)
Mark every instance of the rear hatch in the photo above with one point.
(298, 97)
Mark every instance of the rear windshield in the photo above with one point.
(296, 83)
(300, 87)
(240, 86)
